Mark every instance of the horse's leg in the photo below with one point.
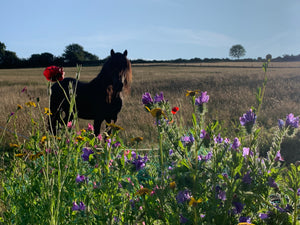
(97, 125)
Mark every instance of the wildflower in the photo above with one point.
(43, 139)
(246, 152)
(292, 121)
(171, 152)
(247, 178)
(24, 89)
(143, 191)
(236, 143)
(80, 207)
(205, 158)
(218, 139)
(14, 145)
(245, 219)
(183, 219)
(69, 125)
(86, 154)
(147, 99)
(278, 157)
(183, 196)
(187, 140)
(272, 183)
(238, 207)
(117, 144)
(19, 107)
(194, 202)
(80, 178)
(157, 112)
(36, 156)
(11, 114)
(192, 93)
(222, 195)
(114, 126)
(263, 216)
(47, 111)
(139, 162)
(172, 185)
(99, 137)
(90, 127)
(136, 139)
(54, 73)
(30, 103)
(203, 98)
(159, 98)
(19, 155)
(298, 192)
(79, 138)
(280, 123)
(248, 120)
(174, 110)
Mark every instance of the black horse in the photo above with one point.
(98, 100)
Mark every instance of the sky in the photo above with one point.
(152, 29)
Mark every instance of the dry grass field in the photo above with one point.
(230, 85)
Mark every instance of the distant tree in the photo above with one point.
(2, 52)
(75, 53)
(268, 57)
(237, 51)
(44, 59)
(10, 59)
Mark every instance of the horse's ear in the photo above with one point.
(125, 53)
(112, 52)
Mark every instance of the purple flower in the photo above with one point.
(222, 195)
(238, 207)
(218, 139)
(205, 158)
(278, 157)
(263, 216)
(183, 219)
(247, 178)
(246, 152)
(298, 192)
(146, 99)
(187, 140)
(280, 123)
(272, 183)
(117, 144)
(80, 207)
(86, 154)
(236, 143)
(292, 121)
(171, 152)
(159, 98)
(139, 162)
(245, 219)
(80, 178)
(203, 134)
(203, 98)
(248, 120)
(183, 196)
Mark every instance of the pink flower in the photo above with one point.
(69, 125)
(90, 127)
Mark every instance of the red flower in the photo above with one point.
(174, 110)
(54, 73)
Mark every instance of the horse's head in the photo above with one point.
(120, 75)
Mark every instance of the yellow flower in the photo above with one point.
(35, 156)
(43, 139)
(114, 126)
(14, 145)
(245, 223)
(47, 111)
(194, 202)
(137, 139)
(192, 93)
(143, 191)
(83, 130)
(1, 170)
(30, 104)
(147, 108)
(19, 155)
(79, 138)
(157, 112)
(19, 106)
(172, 185)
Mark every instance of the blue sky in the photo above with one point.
(152, 29)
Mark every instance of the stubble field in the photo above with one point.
(231, 87)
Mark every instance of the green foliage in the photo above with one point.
(197, 176)
(237, 51)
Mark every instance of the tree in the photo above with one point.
(237, 51)
(2, 52)
(74, 53)
(268, 57)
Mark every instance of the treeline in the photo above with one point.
(75, 54)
